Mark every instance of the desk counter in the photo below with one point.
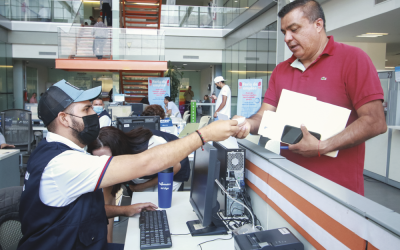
(178, 214)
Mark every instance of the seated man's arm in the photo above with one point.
(128, 167)
(370, 123)
(128, 211)
(153, 182)
(253, 123)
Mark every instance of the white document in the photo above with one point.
(295, 109)
(231, 142)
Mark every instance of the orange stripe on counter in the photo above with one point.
(371, 247)
(296, 226)
(337, 230)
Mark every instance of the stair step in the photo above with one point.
(141, 6)
(134, 12)
(142, 17)
(142, 1)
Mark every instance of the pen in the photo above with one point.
(284, 147)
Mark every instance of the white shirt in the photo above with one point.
(70, 174)
(104, 121)
(226, 91)
(155, 141)
(172, 106)
(2, 139)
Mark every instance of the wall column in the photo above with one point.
(18, 76)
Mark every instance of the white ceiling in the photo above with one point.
(388, 22)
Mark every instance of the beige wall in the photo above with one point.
(376, 51)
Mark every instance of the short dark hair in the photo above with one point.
(91, 17)
(154, 110)
(51, 127)
(168, 98)
(311, 9)
(98, 98)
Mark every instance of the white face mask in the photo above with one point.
(98, 109)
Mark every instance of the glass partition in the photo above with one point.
(41, 10)
(197, 16)
(252, 58)
(110, 43)
(6, 77)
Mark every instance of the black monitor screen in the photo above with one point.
(137, 108)
(126, 124)
(203, 195)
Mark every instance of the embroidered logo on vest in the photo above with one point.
(323, 78)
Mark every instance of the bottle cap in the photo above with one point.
(168, 170)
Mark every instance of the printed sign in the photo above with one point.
(193, 111)
(249, 96)
(159, 88)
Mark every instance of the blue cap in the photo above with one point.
(59, 96)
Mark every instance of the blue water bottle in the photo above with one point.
(165, 185)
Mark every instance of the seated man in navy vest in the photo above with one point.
(62, 205)
(104, 116)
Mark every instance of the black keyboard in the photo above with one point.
(154, 230)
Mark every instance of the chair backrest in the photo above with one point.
(176, 114)
(186, 112)
(186, 118)
(10, 225)
(204, 121)
(17, 127)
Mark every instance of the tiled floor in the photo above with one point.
(382, 193)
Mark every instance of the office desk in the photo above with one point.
(180, 212)
(9, 168)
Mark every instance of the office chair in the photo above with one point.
(176, 114)
(186, 113)
(10, 225)
(186, 118)
(204, 121)
(17, 130)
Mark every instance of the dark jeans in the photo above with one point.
(107, 12)
(187, 106)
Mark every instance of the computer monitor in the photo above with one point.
(137, 108)
(126, 124)
(119, 111)
(33, 107)
(203, 193)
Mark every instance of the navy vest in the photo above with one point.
(79, 225)
(103, 113)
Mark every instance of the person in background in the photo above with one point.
(206, 109)
(104, 116)
(92, 20)
(44, 13)
(110, 94)
(154, 110)
(223, 104)
(100, 37)
(106, 7)
(171, 107)
(354, 84)
(33, 98)
(86, 24)
(3, 143)
(188, 97)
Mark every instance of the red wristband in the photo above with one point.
(319, 142)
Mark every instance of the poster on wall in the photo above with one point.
(182, 89)
(249, 96)
(159, 88)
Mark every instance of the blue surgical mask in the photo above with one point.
(98, 109)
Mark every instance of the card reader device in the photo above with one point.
(276, 239)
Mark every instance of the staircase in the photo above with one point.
(135, 84)
(142, 14)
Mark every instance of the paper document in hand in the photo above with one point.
(231, 142)
(295, 109)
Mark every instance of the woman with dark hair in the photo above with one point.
(113, 142)
(171, 107)
(154, 110)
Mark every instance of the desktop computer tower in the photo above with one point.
(232, 178)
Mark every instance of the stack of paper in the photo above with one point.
(295, 109)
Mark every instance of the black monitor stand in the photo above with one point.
(217, 227)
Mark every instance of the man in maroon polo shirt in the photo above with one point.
(334, 73)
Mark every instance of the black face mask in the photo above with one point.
(91, 129)
(219, 87)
